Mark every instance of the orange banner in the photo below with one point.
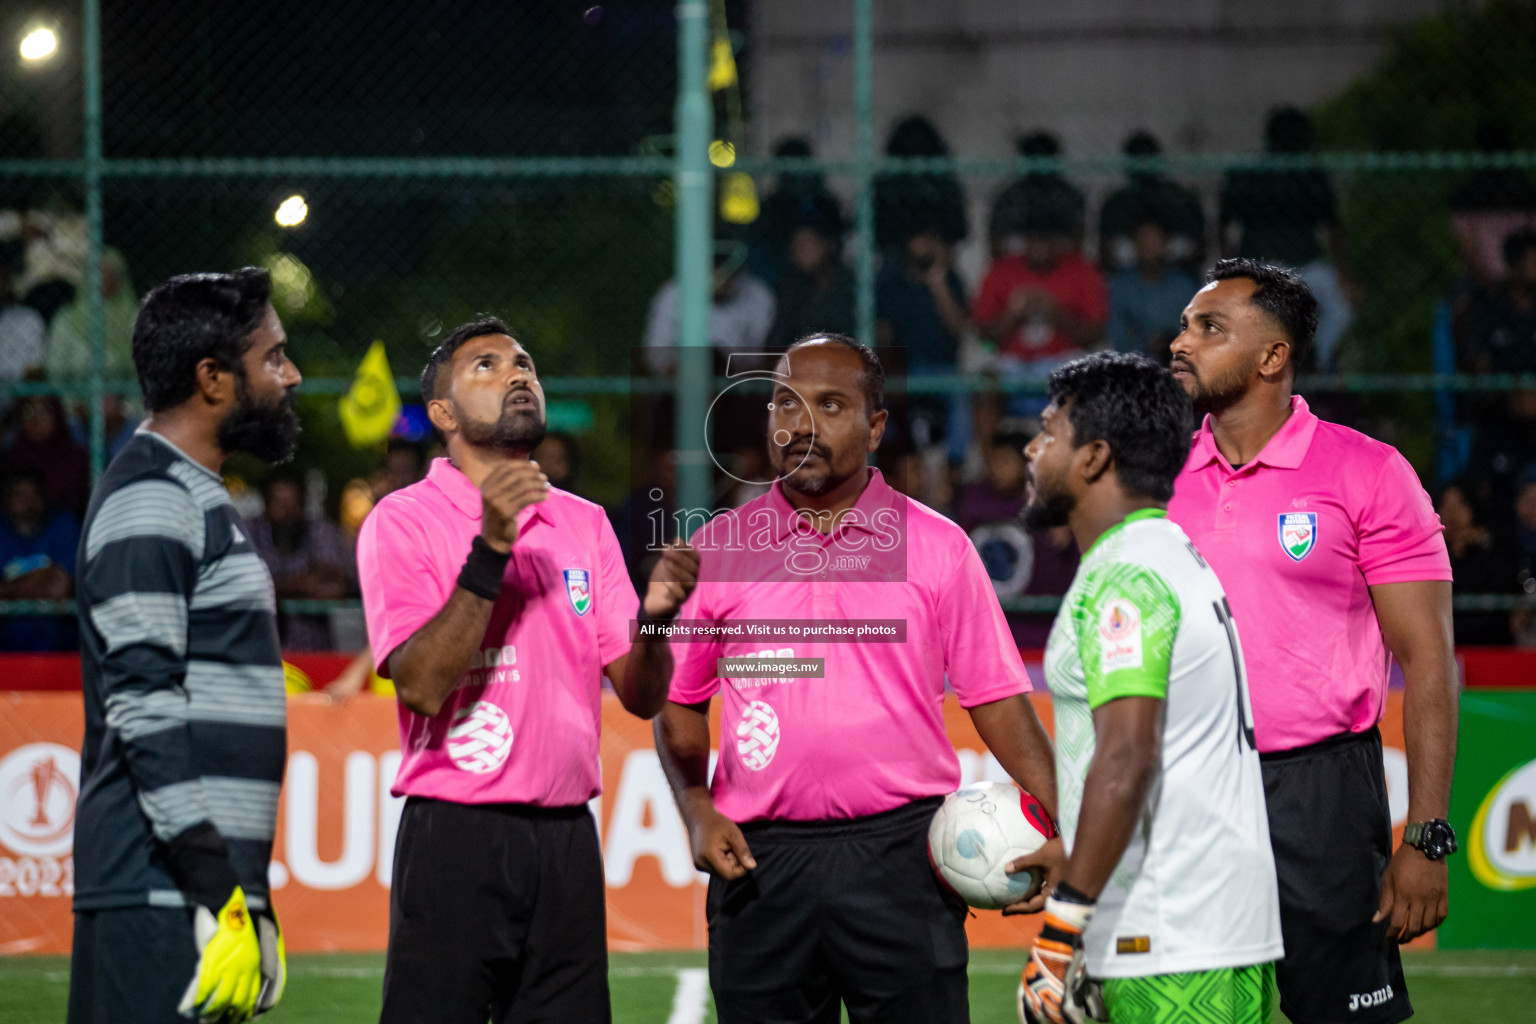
(336, 826)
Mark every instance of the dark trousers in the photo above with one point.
(496, 912)
(130, 966)
(1331, 830)
(839, 912)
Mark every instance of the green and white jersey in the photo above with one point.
(1146, 617)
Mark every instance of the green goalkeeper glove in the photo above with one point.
(228, 977)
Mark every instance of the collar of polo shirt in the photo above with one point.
(1284, 451)
(877, 495)
(465, 496)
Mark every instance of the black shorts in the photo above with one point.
(1331, 831)
(839, 912)
(131, 965)
(496, 911)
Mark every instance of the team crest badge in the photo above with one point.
(1298, 533)
(578, 588)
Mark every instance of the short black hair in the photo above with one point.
(191, 318)
(874, 370)
(478, 328)
(1138, 408)
(1280, 293)
(1516, 245)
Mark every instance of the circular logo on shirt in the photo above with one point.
(38, 784)
(757, 735)
(1118, 620)
(480, 738)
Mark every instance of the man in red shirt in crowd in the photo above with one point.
(1042, 303)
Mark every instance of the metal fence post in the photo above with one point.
(864, 159)
(92, 284)
(695, 189)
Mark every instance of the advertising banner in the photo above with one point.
(1493, 808)
(337, 821)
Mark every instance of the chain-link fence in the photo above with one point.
(400, 168)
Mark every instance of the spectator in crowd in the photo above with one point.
(907, 203)
(1523, 622)
(1039, 202)
(815, 289)
(41, 442)
(560, 459)
(740, 313)
(1479, 564)
(57, 241)
(21, 327)
(404, 464)
(1492, 204)
(37, 563)
(799, 197)
(1499, 326)
(1042, 305)
(920, 308)
(69, 333)
(1021, 562)
(1147, 298)
(310, 559)
(1291, 218)
(1503, 444)
(1149, 194)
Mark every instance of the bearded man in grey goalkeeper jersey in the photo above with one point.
(186, 720)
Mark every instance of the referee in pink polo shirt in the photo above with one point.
(815, 829)
(1333, 560)
(497, 603)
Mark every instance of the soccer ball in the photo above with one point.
(977, 832)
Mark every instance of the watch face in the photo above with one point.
(1437, 839)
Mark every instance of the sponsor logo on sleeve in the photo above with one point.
(1120, 631)
(1298, 534)
(578, 587)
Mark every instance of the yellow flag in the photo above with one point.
(372, 405)
(722, 65)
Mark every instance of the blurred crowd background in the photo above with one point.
(1040, 182)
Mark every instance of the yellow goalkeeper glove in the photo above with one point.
(228, 976)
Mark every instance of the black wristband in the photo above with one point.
(1066, 894)
(198, 860)
(483, 570)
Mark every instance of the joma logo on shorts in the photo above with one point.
(1365, 1000)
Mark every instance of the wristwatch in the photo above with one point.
(1434, 838)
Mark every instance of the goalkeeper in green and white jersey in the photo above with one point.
(1167, 909)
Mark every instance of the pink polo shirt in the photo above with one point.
(522, 726)
(869, 736)
(1297, 536)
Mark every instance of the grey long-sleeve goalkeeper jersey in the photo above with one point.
(185, 711)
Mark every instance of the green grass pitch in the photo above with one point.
(1448, 987)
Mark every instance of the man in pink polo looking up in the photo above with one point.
(497, 603)
(815, 830)
(1333, 560)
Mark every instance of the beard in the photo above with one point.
(516, 431)
(269, 432)
(1220, 393)
(1047, 509)
(802, 480)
